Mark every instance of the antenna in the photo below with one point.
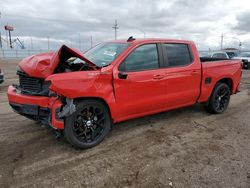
(115, 27)
(130, 39)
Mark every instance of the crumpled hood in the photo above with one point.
(43, 65)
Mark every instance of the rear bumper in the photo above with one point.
(38, 108)
(1, 78)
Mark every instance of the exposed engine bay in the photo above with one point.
(72, 64)
(69, 61)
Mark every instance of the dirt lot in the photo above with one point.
(181, 148)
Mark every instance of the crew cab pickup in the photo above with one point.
(82, 95)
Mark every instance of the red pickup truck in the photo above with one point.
(82, 95)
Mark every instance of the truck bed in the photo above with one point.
(209, 59)
(215, 70)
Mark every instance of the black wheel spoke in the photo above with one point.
(76, 127)
(221, 99)
(93, 134)
(89, 124)
(83, 133)
(100, 122)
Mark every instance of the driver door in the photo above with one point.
(139, 83)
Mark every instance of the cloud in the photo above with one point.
(64, 21)
(243, 25)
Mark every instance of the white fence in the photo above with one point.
(18, 54)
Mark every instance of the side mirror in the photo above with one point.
(122, 75)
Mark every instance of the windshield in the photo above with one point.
(105, 53)
(245, 54)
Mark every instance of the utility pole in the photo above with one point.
(7, 39)
(221, 41)
(144, 33)
(10, 40)
(9, 29)
(79, 41)
(91, 41)
(115, 27)
(1, 44)
(48, 43)
(31, 43)
(71, 41)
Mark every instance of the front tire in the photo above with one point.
(219, 99)
(88, 125)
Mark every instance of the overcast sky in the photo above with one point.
(67, 21)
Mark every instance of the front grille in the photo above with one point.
(29, 85)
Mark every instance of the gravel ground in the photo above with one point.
(182, 148)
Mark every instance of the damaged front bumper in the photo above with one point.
(39, 108)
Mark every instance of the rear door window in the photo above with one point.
(177, 54)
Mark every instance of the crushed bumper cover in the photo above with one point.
(38, 108)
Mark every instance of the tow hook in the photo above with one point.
(68, 109)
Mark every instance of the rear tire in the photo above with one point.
(219, 99)
(88, 125)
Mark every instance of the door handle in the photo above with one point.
(122, 75)
(158, 76)
(194, 72)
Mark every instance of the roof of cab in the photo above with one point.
(149, 40)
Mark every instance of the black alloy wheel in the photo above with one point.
(88, 125)
(219, 99)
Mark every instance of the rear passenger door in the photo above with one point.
(183, 75)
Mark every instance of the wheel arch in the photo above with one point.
(97, 99)
(228, 81)
(207, 93)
